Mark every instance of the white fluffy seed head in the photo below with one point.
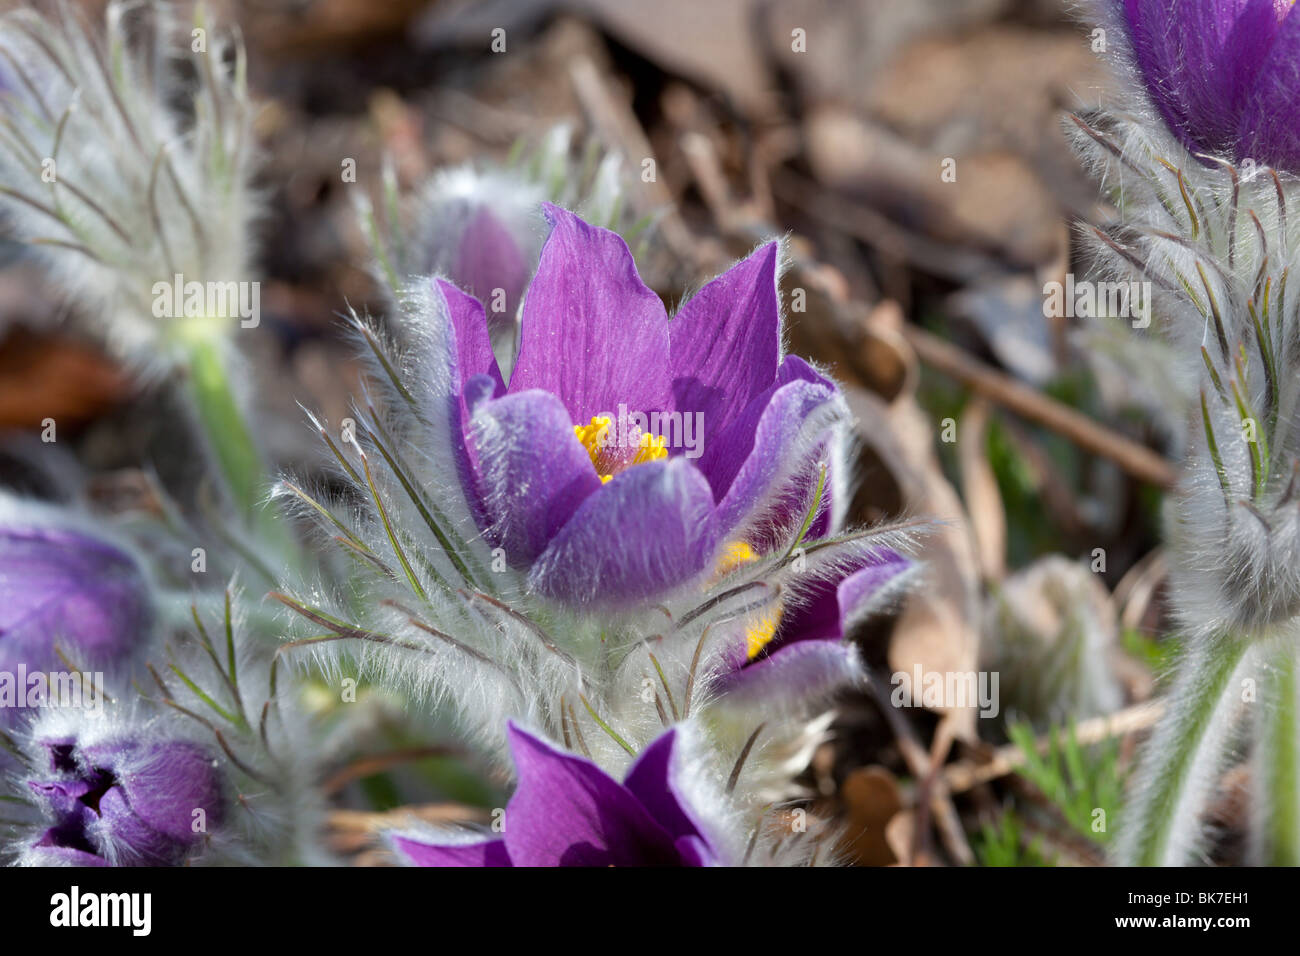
(125, 153)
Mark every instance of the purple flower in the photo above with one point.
(124, 802)
(801, 654)
(60, 588)
(479, 233)
(627, 448)
(566, 811)
(1225, 74)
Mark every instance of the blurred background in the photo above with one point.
(915, 155)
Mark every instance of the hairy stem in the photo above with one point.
(1161, 822)
(229, 439)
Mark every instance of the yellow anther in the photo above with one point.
(652, 448)
(608, 459)
(760, 634)
(735, 555)
(592, 438)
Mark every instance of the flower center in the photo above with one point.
(611, 453)
(737, 555)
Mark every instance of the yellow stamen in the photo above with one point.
(594, 439)
(737, 554)
(653, 448)
(762, 632)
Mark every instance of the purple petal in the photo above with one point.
(135, 841)
(475, 369)
(745, 461)
(1221, 74)
(651, 780)
(533, 472)
(478, 853)
(726, 341)
(566, 811)
(593, 334)
(648, 530)
(1269, 128)
(800, 672)
(61, 587)
(63, 797)
(166, 783)
(474, 354)
(489, 259)
(834, 606)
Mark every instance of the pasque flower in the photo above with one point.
(802, 653)
(562, 545)
(570, 482)
(1216, 239)
(63, 590)
(566, 811)
(1223, 74)
(123, 800)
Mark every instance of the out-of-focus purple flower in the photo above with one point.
(594, 501)
(488, 259)
(1225, 74)
(480, 231)
(566, 811)
(63, 589)
(124, 802)
(801, 654)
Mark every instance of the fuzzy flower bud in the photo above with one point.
(123, 800)
(63, 591)
(1222, 74)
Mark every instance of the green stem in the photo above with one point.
(230, 441)
(223, 422)
(1161, 820)
(1278, 763)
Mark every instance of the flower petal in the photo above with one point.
(646, 531)
(478, 853)
(748, 462)
(652, 781)
(834, 606)
(533, 473)
(1269, 126)
(796, 674)
(489, 259)
(59, 586)
(725, 342)
(474, 354)
(593, 333)
(1202, 60)
(566, 811)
